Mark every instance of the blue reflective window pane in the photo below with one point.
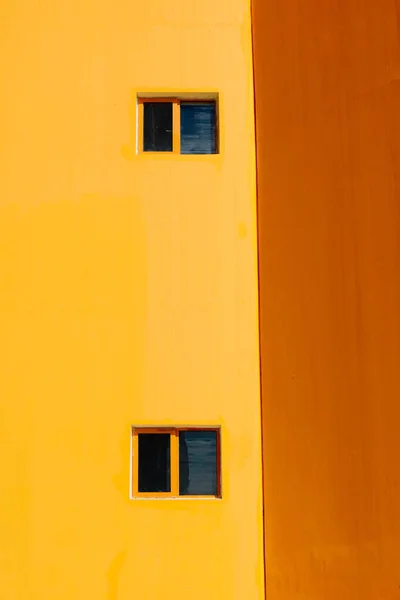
(198, 128)
(198, 463)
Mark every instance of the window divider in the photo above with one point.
(174, 462)
(176, 126)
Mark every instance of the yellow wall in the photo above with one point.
(328, 134)
(128, 295)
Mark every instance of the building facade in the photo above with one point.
(328, 171)
(129, 298)
(196, 198)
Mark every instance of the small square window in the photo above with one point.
(178, 126)
(176, 462)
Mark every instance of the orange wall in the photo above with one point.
(328, 140)
(128, 296)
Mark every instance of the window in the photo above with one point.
(175, 462)
(154, 473)
(198, 128)
(178, 126)
(157, 127)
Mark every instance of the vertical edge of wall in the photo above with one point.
(327, 92)
(259, 295)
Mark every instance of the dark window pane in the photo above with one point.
(198, 463)
(154, 462)
(198, 129)
(157, 127)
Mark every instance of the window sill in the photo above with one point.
(179, 498)
(176, 155)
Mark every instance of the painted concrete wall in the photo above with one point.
(128, 294)
(328, 133)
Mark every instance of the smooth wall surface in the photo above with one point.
(128, 295)
(328, 137)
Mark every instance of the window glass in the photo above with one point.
(154, 462)
(157, 127)
(198, 463)
(198, 132)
